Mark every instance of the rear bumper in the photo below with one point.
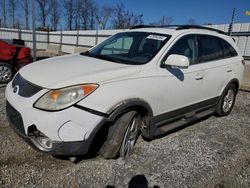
(59, 148)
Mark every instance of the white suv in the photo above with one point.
(147, 80)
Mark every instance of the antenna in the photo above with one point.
(230, 28)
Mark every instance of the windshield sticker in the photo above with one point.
(156, 37)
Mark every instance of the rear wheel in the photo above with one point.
(6, 73)
(227, 101)
(122, 136)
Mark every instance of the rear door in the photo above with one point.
(217, 64)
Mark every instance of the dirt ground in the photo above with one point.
(214, 152)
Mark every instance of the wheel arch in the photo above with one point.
(141, 106)
(235, 82)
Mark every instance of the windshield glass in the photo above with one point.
(130, 47)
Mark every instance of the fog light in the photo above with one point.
(44, 142)
(39, 139)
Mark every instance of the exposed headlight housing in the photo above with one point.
(59, 99)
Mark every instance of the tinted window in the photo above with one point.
(210, 48)
(185, 46)
(130, 47)
(229, 51)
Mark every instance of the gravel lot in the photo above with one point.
(212, 153)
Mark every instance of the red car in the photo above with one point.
(13, 56)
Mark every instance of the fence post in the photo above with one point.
(77, 38)
(19, 34)
(96, 37)
(48, 37)
(61, 36)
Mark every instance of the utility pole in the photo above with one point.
(34, 30)
(230, 28)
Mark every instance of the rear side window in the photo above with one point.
(229, 51)
(210, 48)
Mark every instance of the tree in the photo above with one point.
(77, 15)
(69, 6)
(191, 21)
(43, 11)
(124, 19)
(103, 16)
(12, 11)
(54, 14)
(164, 20)
(25, 7)
(93, 13)
(119, 20)
(3, 7)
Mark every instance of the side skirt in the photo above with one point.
(166, 122)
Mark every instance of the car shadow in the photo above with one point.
(176, 73)
(138, 181)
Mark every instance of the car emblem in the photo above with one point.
(15, 89)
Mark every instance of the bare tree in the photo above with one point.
(25, 7)
(93, 8)
(84, 12)
(104, 15)
(43, 12)
(164, 20)
(191, 21)
(124, 19)
(69, 6)
(119, 20)
(77, 15)
(12, 11)
(54, 14)
(3, 7)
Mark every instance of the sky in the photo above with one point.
(202, 11)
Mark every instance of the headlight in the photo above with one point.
(59, 99)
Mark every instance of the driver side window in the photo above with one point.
(185, 46)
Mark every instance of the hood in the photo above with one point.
(76, 69)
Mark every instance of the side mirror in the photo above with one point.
(177, 61)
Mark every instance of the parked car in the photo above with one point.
(13, 56)
(148, 80)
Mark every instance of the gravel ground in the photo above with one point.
(214, 152)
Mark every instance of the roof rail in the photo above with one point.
(200, 27)
(179, 27)
(154, 26)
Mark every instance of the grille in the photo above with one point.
(26, 89)
(15, 118)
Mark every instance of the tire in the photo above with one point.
(6, 73)
(227, 100)
(122, 136)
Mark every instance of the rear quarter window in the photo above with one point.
(229, 51)
(210, 48)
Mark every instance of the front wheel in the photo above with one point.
(6, 73)
(227, 101)
(122, 136)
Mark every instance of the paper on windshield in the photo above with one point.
(156, 37)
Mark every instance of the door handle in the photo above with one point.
(198, 77)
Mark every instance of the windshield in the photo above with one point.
(130, 47)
